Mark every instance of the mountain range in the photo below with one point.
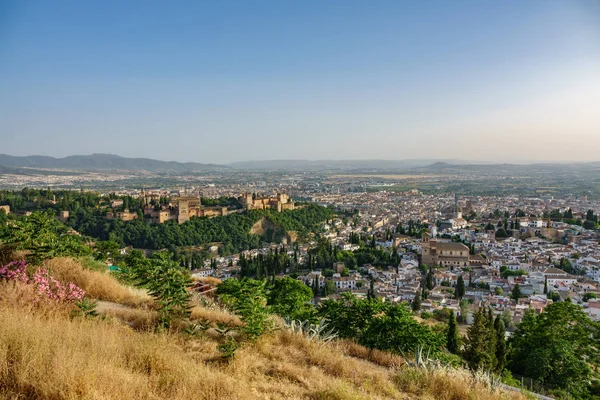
(28, 165)
(97, 162)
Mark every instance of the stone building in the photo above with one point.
(124, 215)
(446, 254)
(6, 209)
(279, 202)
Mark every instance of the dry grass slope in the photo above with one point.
(98, 285)
(46, 354)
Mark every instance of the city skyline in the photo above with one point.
(220, 83)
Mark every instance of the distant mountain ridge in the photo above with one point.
(340, 164)
(31, 165)
(98, 162)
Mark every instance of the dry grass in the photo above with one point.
(206, 309)
(447, 385)
(98, 285)
(383, 358)
(209, 280)
(45, 354)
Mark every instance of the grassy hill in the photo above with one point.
(46, 353)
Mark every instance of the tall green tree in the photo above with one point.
(460, 287)
(429, 283)
(559, 347)
(452, 338)
(516, 293)
(416, 303)
(480, 345)
(500, 331)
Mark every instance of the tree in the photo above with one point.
(500, 344)
(371, 292)
(329, 287)
(429, 279)
(288, 297)
(452, 334)
(464, 310)
(589, 225)
(501, 233)
(516, 293)
(558, 347)
(165, 280)
(416, 303)
(590, 216)
(43, 237)
(480, 346)
(378, 324)
(248, 298)
(588, 296)
(460, 287)
(546, 285)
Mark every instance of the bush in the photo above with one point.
(166, 282)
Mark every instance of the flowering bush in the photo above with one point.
(15, 271)
(48, 287)
(45, 285)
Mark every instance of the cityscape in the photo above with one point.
(300, 200)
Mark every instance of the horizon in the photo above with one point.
(449, 161)
(511, 82)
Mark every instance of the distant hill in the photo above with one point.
(342, 165)
(502, 169)
(96, 162)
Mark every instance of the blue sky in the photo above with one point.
(221, 81)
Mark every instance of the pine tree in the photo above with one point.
(460, 287)
(500, 344)
(452, 334)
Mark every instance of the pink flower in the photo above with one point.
(49, 288)
(15, 271)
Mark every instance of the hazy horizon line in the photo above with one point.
(314, 160)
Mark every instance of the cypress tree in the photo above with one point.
(452, 334)
(516, 292)
(416, 303)
(546, 286)
(479, 349)
(500, 330)
(429, 279)
(460, 287)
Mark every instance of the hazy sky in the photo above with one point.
(220, 81)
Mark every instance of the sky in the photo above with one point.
(219, 81)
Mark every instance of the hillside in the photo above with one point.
(234, 231)
(96, 162)
(46, 353)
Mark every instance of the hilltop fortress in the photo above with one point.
(157, 209)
